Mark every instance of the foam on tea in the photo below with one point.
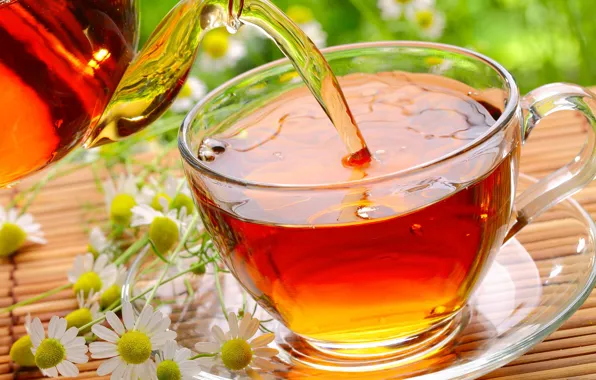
(376, 260)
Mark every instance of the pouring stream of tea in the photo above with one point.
(181, 31)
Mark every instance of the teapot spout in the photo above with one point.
(155, 76)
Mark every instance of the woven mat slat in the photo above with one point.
(67, 204)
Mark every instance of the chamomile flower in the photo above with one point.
(164, 228)
(235, 351)
(121, 198)
(98, 242)
(112, 293)
(192, 91)
(88, 274)
(429, 22)
(57, 353)
(174, 190)
(394, 9)
(16, 229)
(220, 50)
(87, 312)
(129, 345)
(438, 65)
(305, 19)
(174, 363)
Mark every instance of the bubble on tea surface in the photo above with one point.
(216, 146)
(210, 148)
(416, 229)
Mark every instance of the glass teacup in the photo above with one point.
(397, 283)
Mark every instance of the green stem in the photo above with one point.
(187, 233)
(117, 308)
(38, 297)
(202, 356)
(134, 248)
(219, 291)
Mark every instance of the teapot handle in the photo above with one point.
(156, 75)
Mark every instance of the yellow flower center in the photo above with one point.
(300, 14)
(79, 318)
(216, 43)
(20, 352)
(92, 250)
(110, 296)
(163, 232)
(185, 91)
(155, 202)
(403, 2)
(433, 61)
(50, 353)
(236, 354)
(183, 200)
(134, 347)
(12, 238)
(87, 282)
(121, 209)
(168, 370)
(425, 18)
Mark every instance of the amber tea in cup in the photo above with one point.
(357, 260)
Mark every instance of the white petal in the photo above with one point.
(108, 366)
(265, 352)
(69, 336)
(100, 263)
(37, 332)
(51, 372)
(207, 347)
(162, 326)
(88, 262)
(154, 323)
(115, 322)
(144, 318)
(169, 350)
(262, 340)
(264, 364)
(78, 358)
(128, 316)
(159, 339)
(128, 373)
(60, 328)
(119, 371)
(76, 342)
(244, 323)
(36, 239)
(251, 329)
(182, 354)
(101, 350)
(233, 322)
(67, 369)
(218, 334)
(52, 326)
(105, 333)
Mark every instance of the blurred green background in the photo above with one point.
(539, 41)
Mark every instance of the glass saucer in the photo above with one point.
(537, 281)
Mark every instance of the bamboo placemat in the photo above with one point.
(65, 205)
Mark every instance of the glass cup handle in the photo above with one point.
(572, 177)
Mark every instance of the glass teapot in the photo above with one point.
(70, 74)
